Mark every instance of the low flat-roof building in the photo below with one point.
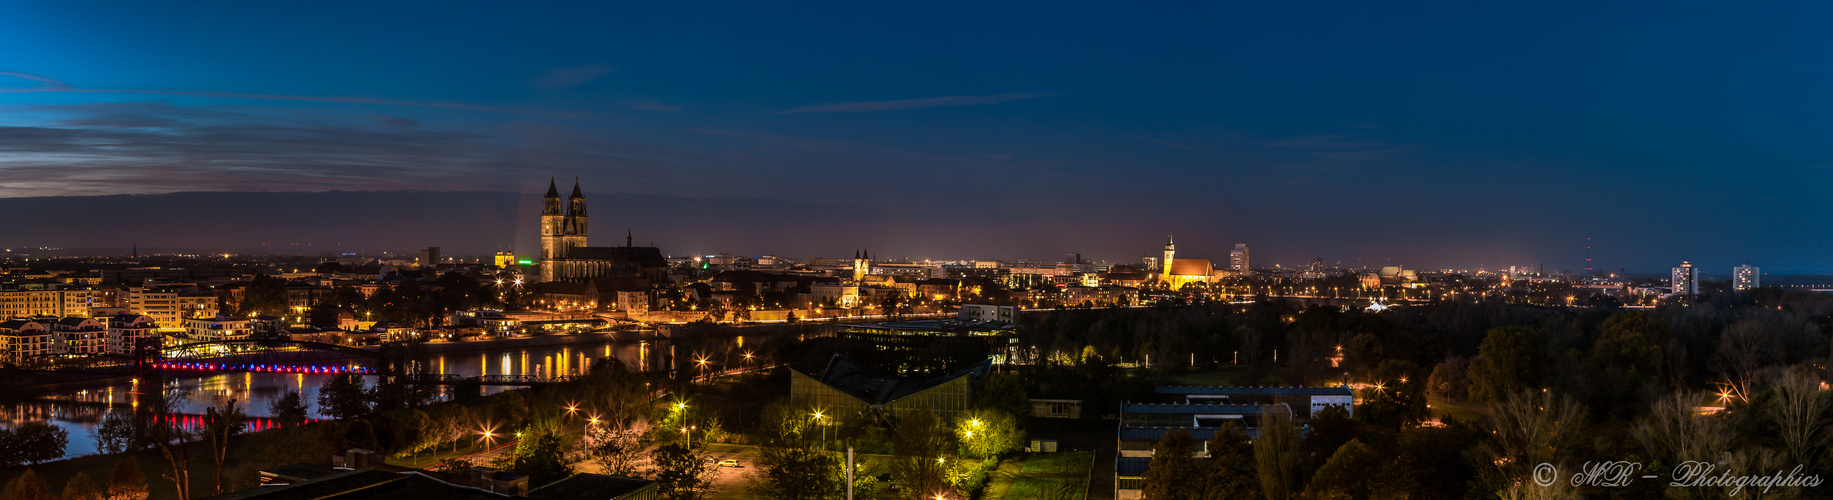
(1202, 411)
(849, 390)
(1305, 402)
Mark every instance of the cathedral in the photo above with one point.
(565, 257)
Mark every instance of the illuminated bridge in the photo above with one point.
(288, 356)
(275, 356)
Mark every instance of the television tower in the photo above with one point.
(1588, 271)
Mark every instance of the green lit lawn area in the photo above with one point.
(1231, 375)
(1049, 488)
(1058, 464)
(1048, 476)
(1466, 411)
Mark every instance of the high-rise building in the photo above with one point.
(429, 257)
(1685, 279)
(1746, 277)
(1237, 258)
(1151, 263)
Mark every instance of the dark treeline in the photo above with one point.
(1733, 380)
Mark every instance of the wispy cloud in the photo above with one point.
(560, 78)
(47, 82)
(927, 102)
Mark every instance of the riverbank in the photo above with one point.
(518, 342)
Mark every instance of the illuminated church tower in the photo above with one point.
(573, 228)
(551, 218)
(1164, 266)
(862, 265)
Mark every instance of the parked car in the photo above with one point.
(728, 463)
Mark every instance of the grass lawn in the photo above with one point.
(1059, 464)
(1231, 375)
(1468, 412)
(1048, 488)
(1047, 476)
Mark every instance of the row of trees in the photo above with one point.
(124, 483)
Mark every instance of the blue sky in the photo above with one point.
(1434, 135)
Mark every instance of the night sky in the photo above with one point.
(1446, 135)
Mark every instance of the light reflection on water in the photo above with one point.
(80, 409)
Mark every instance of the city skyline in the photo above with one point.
(1481, 138)
(475, 229)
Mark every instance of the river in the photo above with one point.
(79, 408)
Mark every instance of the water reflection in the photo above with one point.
(80, 410)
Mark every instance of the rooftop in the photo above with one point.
(1210, 390)
(877, 388)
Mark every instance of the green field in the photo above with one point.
(1055, 476)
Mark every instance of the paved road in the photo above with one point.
(730, 482)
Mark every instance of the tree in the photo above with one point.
(1231, 473)
(922, 444)
(82, 487)
(618, 448)
(28, 486)
(1629, 354)
(405, 431)
(795, 470)
(790, 465)
(1509, 360)
(1331, 428)
(1450, 379)
(1673, 433)
(450, 423)
(508, 409)
(1276, 453)
(219, 424)
(343, 397)
(1346, 475)
(115, 434)
(680, 474)
(289, 409)
(1005, 392)
(1531, 428)
(1173, 473)
(126, 482)
(988, 433)
(1398, 398)
(32, 443)
(1743, 351)
(541, 452)
(1800, 411)
(173, 440)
